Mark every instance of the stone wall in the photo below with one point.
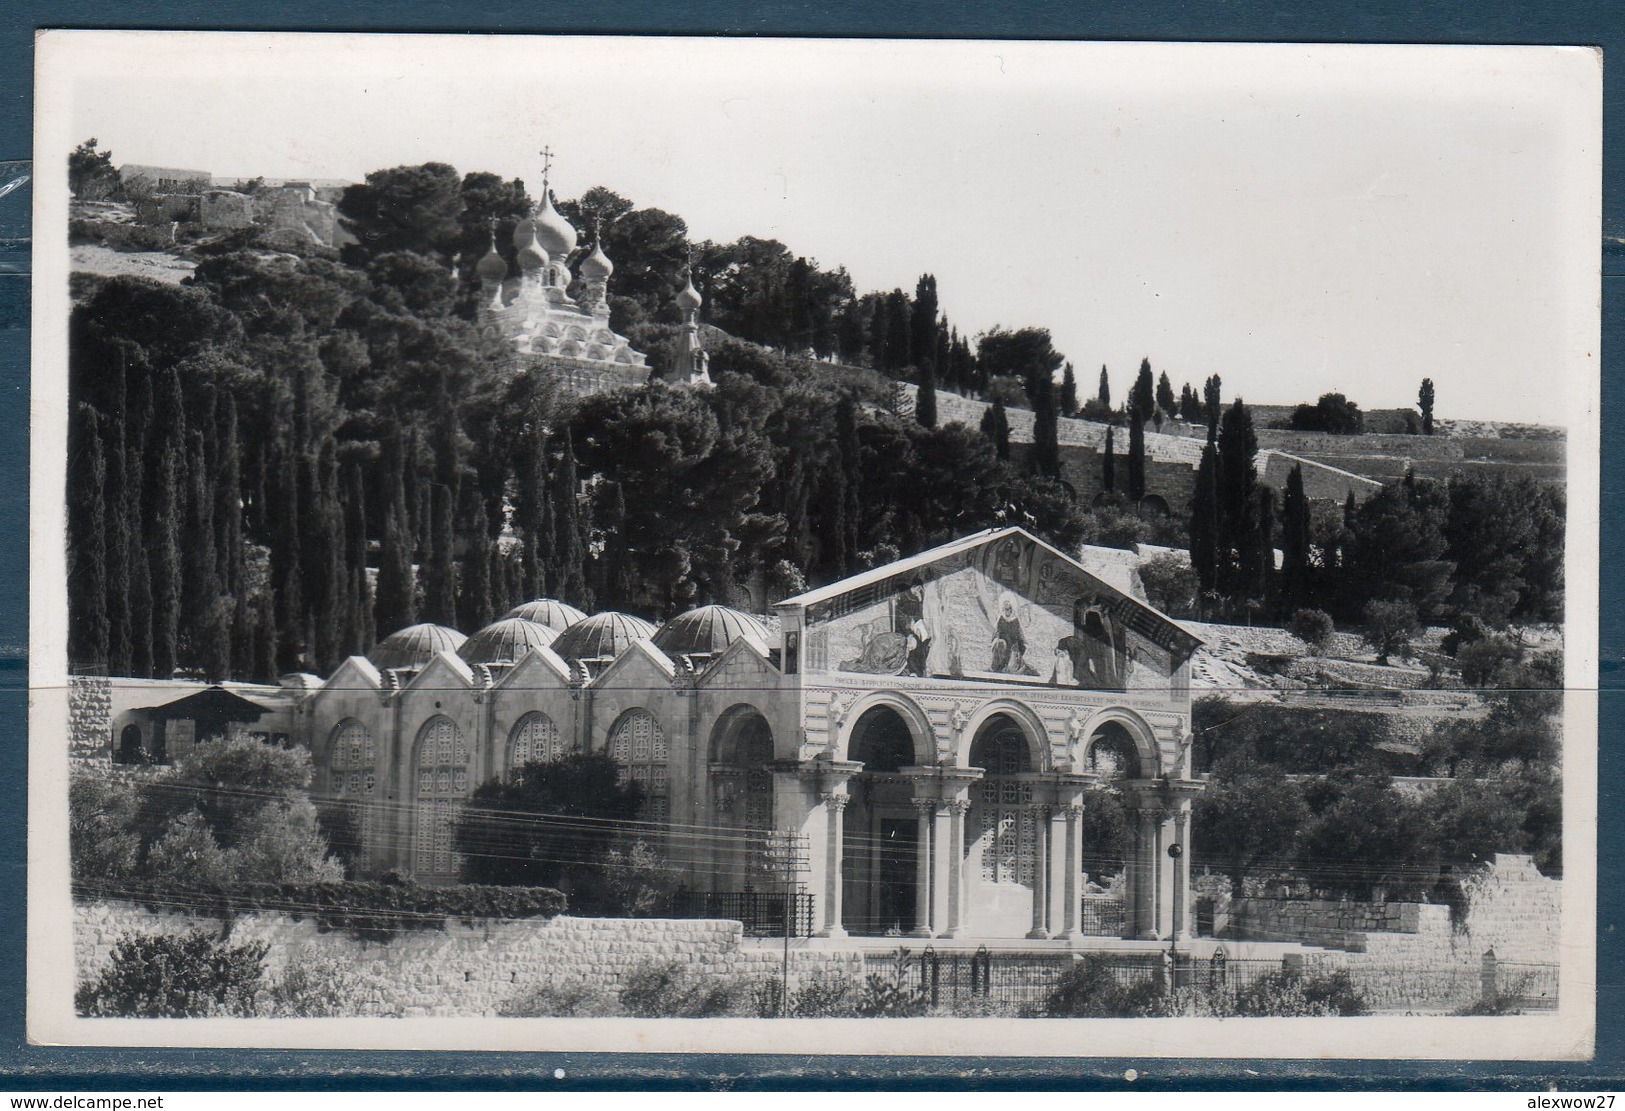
(1413, 954)
(473, 968)
(90, 716)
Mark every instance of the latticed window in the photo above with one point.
(535, 738)
(638, 747)
(353, 780)
(442, 783)
(1005, 824)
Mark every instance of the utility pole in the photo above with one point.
(785, 858)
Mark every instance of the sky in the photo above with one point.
(1294, 219)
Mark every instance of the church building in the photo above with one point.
(931, 729)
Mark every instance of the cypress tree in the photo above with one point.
(1108, 465)
(475, 609)
(1204, 528)
(205, 634)
(396, 604)
(923, 325)
(944, 359)
(1046, 456)
(359, 637)
(530, 513)
(1212, 406)
(1104, 394)
(1238, 500)
(228, 496)
(287, 580)
(849, 448)
(1165, 396)
(136, 489)
(115, 502)
(439, 577)
(163, 522)
(1258, 570)
(1069, 392)
(996, 427)
(569, 530)
(899, 330)
(1295, 522)
(925, 403)
(87, 541)
(1141, 401)
(1424, 402)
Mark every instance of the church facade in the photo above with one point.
(931, 730)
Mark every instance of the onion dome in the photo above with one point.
(596, 267)
(492, 267)
(414, 646)
(688, 298)
(531, 254)
(553, 231)
(504, 641)
(523, 231)
(602, 634)
(707, 630)
(557, 616)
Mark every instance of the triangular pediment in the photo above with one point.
(445, 672)
(744, 659)
(639, 664)
(356, 673)
(1001, 604)
(538, 669)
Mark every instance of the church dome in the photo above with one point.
(492, 267)
(688, 298)
(556, 615)
(504, 641)
(707, 630)
(414, 646)
(522, 232)
(531, 254)
(602, 634)
(553, 231)
(596, 267)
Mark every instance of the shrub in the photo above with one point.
(319, 988)
(890, 997)
(1313, 627)
(555, 1001)
(1090, 989)
(822, 998)
(1389, 627)
(1289, 995)
(665, 990)
(175, 976)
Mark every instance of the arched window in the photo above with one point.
(442, 783)
(1004, 821)
(534, 738)
(353, 778)
(638, 745)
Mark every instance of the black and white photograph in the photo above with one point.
(1060, 548)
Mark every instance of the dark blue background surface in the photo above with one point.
(24, 1067)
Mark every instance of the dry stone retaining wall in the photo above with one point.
(473, 968)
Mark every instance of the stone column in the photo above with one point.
(926, 809)
(1041, 819)
(1131, 877)
(957, 810)
(1059, 888)
(1182, 872)
(834, 846)
(1072, 911)
(944, 859)
(1149, 861)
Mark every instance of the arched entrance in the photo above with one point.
(741, 796)
(1001, 835)
(881, 833)
(129, 745)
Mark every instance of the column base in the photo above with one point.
(1150, 935)
(834, 932)
(920, 931)
(1072, 937)
(958, 932)
(1038, 935)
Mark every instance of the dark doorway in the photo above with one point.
(898, 874)
(129, 745)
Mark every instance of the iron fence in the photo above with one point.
(1102, 916)
(762, 913)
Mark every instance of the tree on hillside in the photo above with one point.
(1212, 405)
(1295, 542)
(1069, 392)
(1108, 464)
(1204, 525)
(1333, 413)
(1104, 394)
(996, 427)
(1141, 402)
(1165, 396)
(1397, 548)
(407, 208)
(1424, 402)
(1389, 627)
(1238, 539)
(1249, 816)
(91, 174)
